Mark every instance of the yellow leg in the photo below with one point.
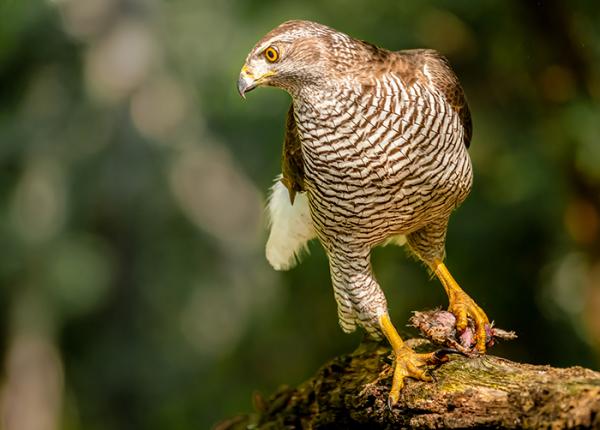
(407, 363)
(461, 305)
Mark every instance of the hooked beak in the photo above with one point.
(245, 82)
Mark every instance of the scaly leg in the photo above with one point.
(461, 305)
(407, 363)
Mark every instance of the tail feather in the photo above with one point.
(291, 227)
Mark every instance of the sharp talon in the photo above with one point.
(407, 363)
(442, 354)
(462, 306)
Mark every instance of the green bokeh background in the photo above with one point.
(133, 288)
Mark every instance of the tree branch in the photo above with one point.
(350, 392)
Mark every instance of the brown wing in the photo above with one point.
(442, 77)
(292, 163)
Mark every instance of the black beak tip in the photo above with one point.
(241, 87)
(244, 86)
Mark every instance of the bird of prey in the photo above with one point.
(375, 151)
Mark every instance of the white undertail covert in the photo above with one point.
(291, 227)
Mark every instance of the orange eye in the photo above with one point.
(271, 54)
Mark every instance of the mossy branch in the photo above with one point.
(350, 392)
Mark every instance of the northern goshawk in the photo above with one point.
(375, 151)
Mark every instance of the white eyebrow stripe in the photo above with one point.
(263, 46)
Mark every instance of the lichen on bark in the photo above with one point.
(350, 392)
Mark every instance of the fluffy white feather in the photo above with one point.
(291, 227)
(398, 240)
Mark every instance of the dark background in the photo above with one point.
(134, 292)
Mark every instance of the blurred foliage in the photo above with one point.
(134, 291)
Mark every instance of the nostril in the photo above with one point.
(246, 71)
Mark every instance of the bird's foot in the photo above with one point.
(464, 307)
(408, 363)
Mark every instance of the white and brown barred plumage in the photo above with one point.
(375, 150)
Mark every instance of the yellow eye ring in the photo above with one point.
(271, 54)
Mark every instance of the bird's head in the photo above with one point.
(294, 55)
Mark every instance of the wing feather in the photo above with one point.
(430, 65)
(289, 212)
(292, 161)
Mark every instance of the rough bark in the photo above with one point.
(350, 392)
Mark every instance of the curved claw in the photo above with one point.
(463, 307)
(409, 364)
(441, 355)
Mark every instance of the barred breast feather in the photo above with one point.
(376, 153)
(385, 155)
